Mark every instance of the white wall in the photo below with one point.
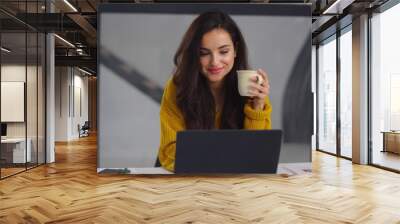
(13, 72)
(70, 84)
(80, 89)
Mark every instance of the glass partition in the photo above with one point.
(327, 95)
(22, 77)
(13, 109)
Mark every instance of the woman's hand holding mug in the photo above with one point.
(254, 84)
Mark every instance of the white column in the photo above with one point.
(360, 90)
(314, 92)
(50, 93)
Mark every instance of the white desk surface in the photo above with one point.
(283, 168)
(13, 140)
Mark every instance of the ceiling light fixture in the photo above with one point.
(337, 7)
(70, 5)
(5, 49)
(79, 51)
(64, 40)
(86, 72)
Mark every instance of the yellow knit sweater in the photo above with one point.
(172, 121)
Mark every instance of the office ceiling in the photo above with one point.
(77, 22)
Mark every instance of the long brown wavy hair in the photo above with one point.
(194, 97)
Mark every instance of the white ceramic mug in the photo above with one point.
(244, 80)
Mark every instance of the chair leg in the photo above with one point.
(158, 164)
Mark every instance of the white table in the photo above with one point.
(19, 153)
(283, 168)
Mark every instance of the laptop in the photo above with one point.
(227, 151)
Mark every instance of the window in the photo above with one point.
(327, 95)
(346, 92)
(385, 88)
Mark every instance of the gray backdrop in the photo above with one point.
(136, 47)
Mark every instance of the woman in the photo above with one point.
(203, 92)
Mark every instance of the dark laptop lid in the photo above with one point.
(228, 151)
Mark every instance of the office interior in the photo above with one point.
(48, 81)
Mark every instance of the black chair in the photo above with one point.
(84, 130)
(158, 164)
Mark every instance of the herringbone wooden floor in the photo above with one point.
(70, 191)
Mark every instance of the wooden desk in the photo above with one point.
(391, 141)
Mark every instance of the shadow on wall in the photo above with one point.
(131, 75)
(298, 100)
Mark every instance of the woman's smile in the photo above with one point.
(215, 71)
